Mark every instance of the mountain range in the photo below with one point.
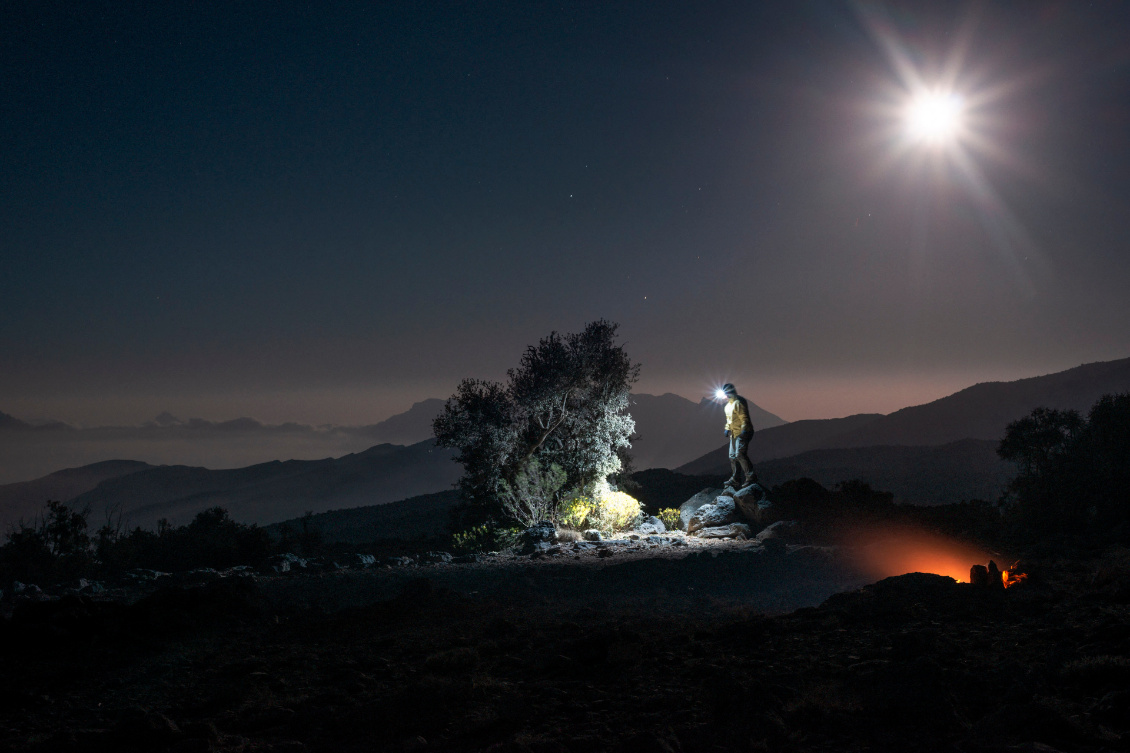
(982, 411)
(671, 430)
(941, 451)
(263, 493)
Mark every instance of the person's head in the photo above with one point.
(729, 390)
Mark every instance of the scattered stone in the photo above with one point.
(583, 545)
(241, 571)
(399, 561)
(90, 587)
(360, 561)
(542, 533)
(605, 553)
(753, 503)
(785, 530)
(438, 558)
(284, 563)
(691, 506)
(26, 589)
(731, 531)
(651, 526)
(591, 534)
(466, 559)
(721, 513)
(141, 575)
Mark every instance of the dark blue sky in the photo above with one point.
(323, 212)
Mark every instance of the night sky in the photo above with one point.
(325, 212)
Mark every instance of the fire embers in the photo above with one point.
(995, 578)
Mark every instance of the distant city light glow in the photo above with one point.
(935, 117)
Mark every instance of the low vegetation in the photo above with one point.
(59, 548)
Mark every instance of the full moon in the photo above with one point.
(934, 117)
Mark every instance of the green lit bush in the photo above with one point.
(575, 511)
(670, 517)
(485, 538)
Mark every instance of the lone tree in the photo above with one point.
(564, 406)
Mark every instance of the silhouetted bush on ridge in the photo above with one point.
(58, 548)
(1073, 474)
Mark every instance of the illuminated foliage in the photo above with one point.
(574, 511)
(532, 496)
(670, 517)
(565, 404)
(614, 510)
(485, 538)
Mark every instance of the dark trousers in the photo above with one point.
(738, 447)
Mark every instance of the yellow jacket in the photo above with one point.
(737, 417)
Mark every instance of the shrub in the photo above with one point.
(614, 511)
(1072, 472)
(670, 517)
(212, 539)
(532, 497)
(57, 548)
(485, 538)
(574, 511)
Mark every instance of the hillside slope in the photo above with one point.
(671, 430)
(779, 442)
(27, 499)
(275, 491)
(983, 411)
(979, 412)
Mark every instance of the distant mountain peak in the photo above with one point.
(11, 422)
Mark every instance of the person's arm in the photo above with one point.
(747, 422)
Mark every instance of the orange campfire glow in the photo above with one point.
(890, 552)
(1011, 576)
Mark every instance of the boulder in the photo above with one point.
(27, 590)
(438, 558)
(541, 533)
(399, 561)
(722, 512)
(731, 531)
(651, 526)
(593, 535)
(691, 506)
(786, 531)
(88, 587)
(360, 561)
(754, 505)
(284, 563)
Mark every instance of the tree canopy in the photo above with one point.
(564, 405)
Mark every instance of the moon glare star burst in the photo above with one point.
(935, 117)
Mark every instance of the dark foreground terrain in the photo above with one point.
(574, 656)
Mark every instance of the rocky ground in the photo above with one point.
(655, 647)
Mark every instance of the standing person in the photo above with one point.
(739, 429)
